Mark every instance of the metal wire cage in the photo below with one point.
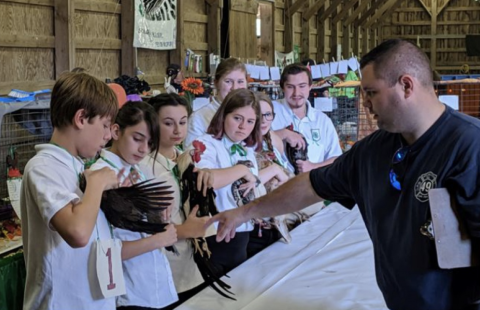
(21, 130)
(352, 120)
(464, 92)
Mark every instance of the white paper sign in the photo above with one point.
(275, 73)
(343, 66)
(109, 267)
(264, 73)
(13, 186)
(323, 104)
(316, 72)
(333, 67)
(156, 29)
(353, 63)
(254, 73)
(450, 100)
(325, 69)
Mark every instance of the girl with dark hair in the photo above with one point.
(173, 112)
(148, 278)
(228, 150)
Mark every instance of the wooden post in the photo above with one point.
(288, 28)
(305, 35)
(213, 26)
(321, 38)
(129, 53)
(176, 56)
(433, 43)
(267, 43)
(64, 36)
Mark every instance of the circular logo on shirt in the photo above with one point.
(315, 135)
(424, 183)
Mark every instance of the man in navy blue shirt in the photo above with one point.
(421, 144)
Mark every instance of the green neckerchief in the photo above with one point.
(237, 148)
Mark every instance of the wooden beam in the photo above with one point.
(445, 3)
(388, 13)
(64, 36)
(267, 40)
(15, 40)
(426, 7)
(361, 22)
(335, 37)
(322, 42)
(98, 43)
(296, 6)
(129, 53)
(380, 12)
(176, 56)
(97, 6)
(305, 37)
(197, 46)
(35, 2)
(196, 18)
(288, 39)
(360, 9)
(313, 9)
(433, 31)
(213, 26)
(344, 11)
(333, 7)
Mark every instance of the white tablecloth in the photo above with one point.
(328, 265)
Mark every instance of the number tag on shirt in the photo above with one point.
(109, 267)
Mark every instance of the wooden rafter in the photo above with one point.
(344, 11)
(333, 6)
(369, 13)
(380, 12)
(313, 9)
(440, 9)
(387, 13)
(360, 9)
(295, 7)
(429, 11)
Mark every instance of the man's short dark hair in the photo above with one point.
(396, 57)
(294, 69)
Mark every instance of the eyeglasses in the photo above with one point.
(268, 116)
(398, 157)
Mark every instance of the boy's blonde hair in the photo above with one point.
(75, 91)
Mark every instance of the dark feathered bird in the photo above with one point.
(138, 207)
(206, 207)
(294, 154)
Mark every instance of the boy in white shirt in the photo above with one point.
(59, 222)
(314, 125)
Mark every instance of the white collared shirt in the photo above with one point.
(217, 156)
(316, 127)
(184, 269)
(200, 120)
(57, 274)
(148, 278)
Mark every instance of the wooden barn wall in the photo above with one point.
(89, 35)
(439, 27)
(26, 45)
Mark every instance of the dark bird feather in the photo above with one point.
(294, 154)
(206, 207)
(136, 208)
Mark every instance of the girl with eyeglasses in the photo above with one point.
(272, 163)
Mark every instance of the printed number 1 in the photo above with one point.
(112, 285)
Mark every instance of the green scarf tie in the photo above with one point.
(237, 148)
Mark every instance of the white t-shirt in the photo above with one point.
(148, 278)
(217, 156)
(57, 274)
(316, 127)
(184, 269)
(200, 120)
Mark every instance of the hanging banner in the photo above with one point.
(155, 24)
(282, 60)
